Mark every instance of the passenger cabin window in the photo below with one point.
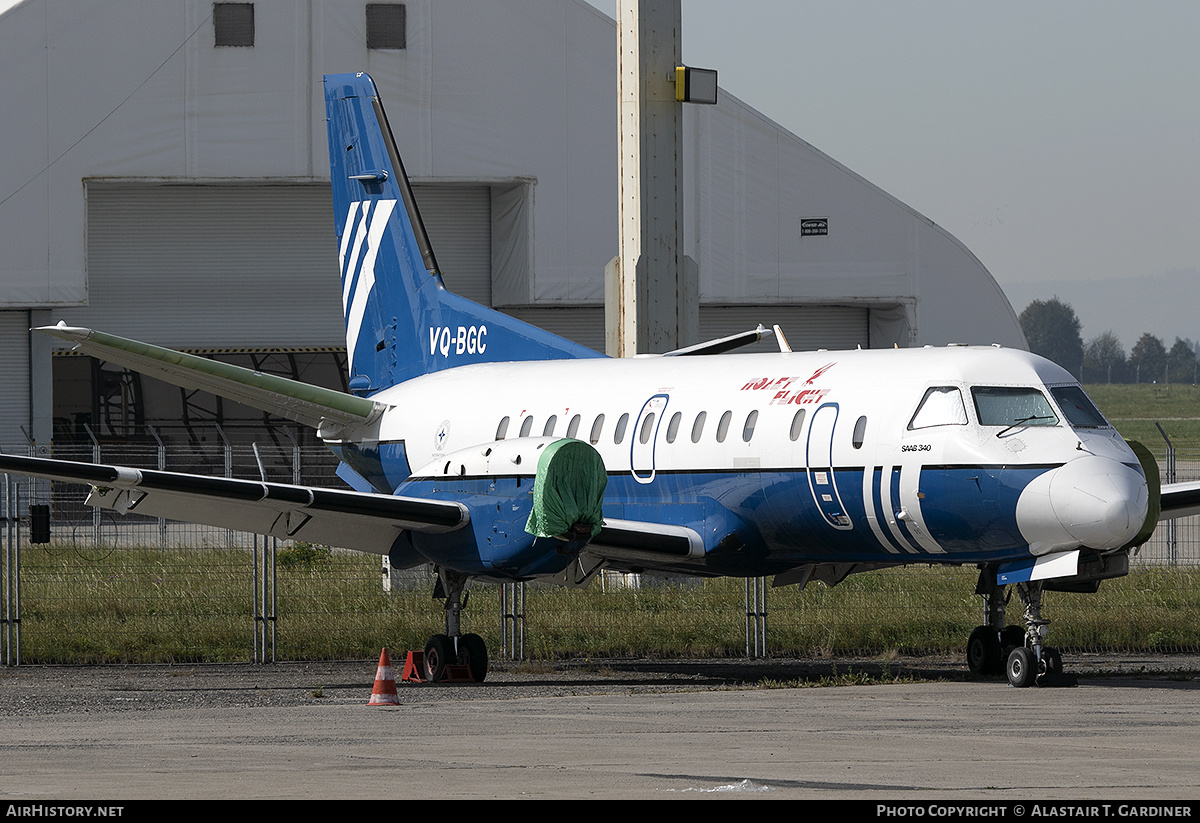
(548, 431)
(647, 428)
(941, 406)
(748, 429)
(860, 433)
(597, 427)
(573, 427)
(797, 425)
(619, 434)
(527, 426)
(673, 427)
(502, 429)
(1010, 407)
(1078, 408)
(723, 426)
(698, 426)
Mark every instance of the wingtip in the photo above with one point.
(62, 330)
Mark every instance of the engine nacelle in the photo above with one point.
(534, 502)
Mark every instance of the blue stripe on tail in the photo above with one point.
(400, 320)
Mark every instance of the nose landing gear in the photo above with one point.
(1020, 654)
(1034, 662)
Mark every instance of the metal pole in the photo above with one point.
(1170, 478)
(95, 509)
(162, 465)
(228, 473)
(255, 611)
(756, 617)
(6, 536)
(512, 621)
(295, 457)
(521, 621)
(274, 590)
(12, 578)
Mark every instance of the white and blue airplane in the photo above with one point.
(500, 452)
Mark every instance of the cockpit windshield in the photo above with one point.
(941, 406)
(1012, 406)
(1078, 408)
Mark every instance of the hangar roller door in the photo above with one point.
(14, 377)
(246, 266)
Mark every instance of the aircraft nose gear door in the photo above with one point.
(645, 435)
(819, 459)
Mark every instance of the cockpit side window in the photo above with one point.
(941, 406)
(1012, 406)
(1078, 408)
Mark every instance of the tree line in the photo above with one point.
(1053, 331)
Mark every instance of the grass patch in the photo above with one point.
(1134, 409)
(193, 606)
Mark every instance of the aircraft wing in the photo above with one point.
(290, 399)
(1179, 500)
(347, 519)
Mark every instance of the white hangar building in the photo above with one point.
(164, 177)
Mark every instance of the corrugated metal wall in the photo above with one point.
(14, 377)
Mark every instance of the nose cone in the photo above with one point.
(1098, 501)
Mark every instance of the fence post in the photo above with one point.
(12, 573)
(295, 456)
(264, 600)
(162, 466)
(228, 473)
(512, 621)
(95, 509)
(6, 541)
(1170, 478)
(756, 617)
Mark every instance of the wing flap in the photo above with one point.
(348, 519)
(631, 541)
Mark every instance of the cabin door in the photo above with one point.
(822, 479)
(645, 436)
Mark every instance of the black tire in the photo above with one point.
(983, 651)
(1021, 668)
(439, 653)
(472, 647)
(1011, 637)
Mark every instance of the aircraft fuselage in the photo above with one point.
(950, 455)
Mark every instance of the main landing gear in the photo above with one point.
(1020, 654)
(454, 648)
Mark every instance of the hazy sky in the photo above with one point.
(1058, 140)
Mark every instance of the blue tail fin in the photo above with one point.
(400, 320)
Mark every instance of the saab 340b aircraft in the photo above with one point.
(497, 451)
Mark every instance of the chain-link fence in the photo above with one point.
(111, 588)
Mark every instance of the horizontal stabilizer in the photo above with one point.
(347, 519)
(286, 398)
(723, 344)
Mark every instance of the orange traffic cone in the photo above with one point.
(384, 693)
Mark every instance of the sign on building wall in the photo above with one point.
(814, 226)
